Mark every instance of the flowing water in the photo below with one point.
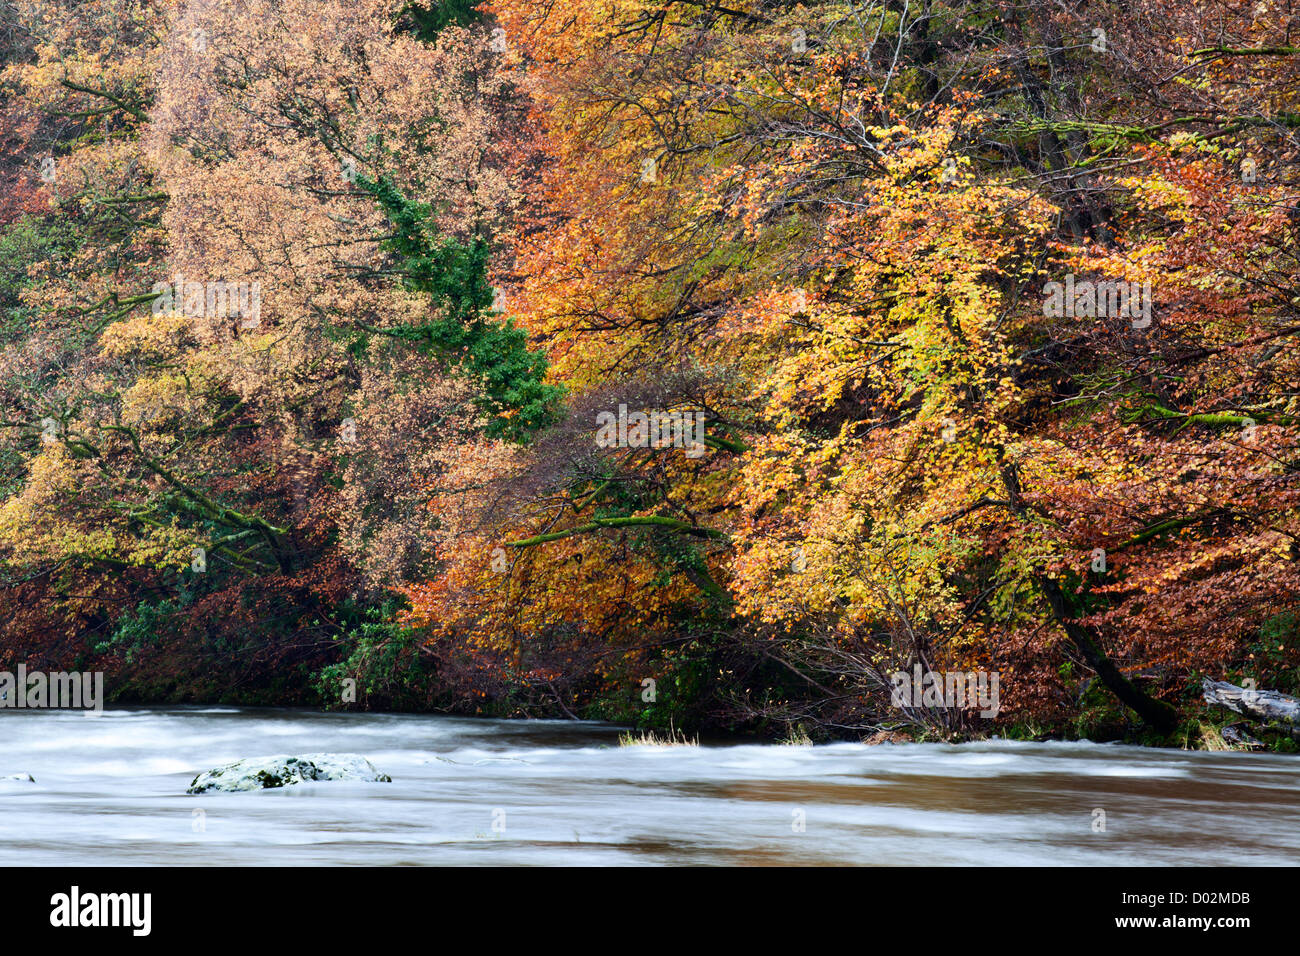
(111, 790)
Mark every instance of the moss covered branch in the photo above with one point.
(646, 521)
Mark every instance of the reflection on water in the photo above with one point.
(111, 790)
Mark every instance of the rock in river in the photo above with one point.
(261, 773)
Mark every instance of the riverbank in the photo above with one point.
(1201, 727)
(395, 676)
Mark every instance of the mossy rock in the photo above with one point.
(269, 773)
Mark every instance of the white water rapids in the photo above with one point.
(111, 790)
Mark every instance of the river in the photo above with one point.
(111, 790)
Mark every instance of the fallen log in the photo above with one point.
(1264, 705)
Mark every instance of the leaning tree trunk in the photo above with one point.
(1155, 713)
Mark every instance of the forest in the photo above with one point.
(696, 365)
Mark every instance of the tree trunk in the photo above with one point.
(1155, 713)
